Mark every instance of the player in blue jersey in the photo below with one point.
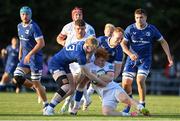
(30, 54)
(112, 45)
(80, 35)
(11, 52)
(140, 36)
(108, 31)
(79, 52)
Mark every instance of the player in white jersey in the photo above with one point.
(108, 31)
(68, 31)
(112, 93)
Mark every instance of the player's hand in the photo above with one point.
(133, 57)
(27, 59)
(170, 63)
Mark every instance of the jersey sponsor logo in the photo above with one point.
(22, 38)
(134, 33)
(148, 34)
(140, 41)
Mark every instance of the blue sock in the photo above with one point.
(78, 95)
(2, 88)
(45, 105)
(127, 109)
(144, 104)
(52, 105)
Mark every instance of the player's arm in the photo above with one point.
(166, 49)
(3, 53)
(124, 45)
(61, 38)
(108, 77)
(39, 45)
(20, 52)
(117, 69)
(92, 76)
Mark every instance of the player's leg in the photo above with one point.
(86, 100)
(140, 79)
(128, 75)
(141, 88)
(66, 87)
(79, 94)
(110, 111)
(142, 73)
(4, 80)
(40, 90)
(68, 104)
(109, 104)
(20, 79)
(127, 81)
(122, 96)
(90, 91)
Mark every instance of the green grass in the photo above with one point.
(24, 106)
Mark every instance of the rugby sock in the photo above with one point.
(55, 100)
(142, 103)
(45, 104)
(90, 90)
(2, 88)
(127, 109)
(78, 97)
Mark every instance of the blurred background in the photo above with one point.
(52, 15)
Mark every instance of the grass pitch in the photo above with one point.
(24, 106)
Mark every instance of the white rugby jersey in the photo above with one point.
(69, 30)
(98, 70)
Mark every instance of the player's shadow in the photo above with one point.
(171, 116)
(165, 116)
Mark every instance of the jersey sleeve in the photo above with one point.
(157, 35)
(119, 54)
(127, 36)
(90, 30)
(81, 60)
(66, 28)
(37, 32)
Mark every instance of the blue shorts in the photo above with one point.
(53, 66)
(141, 66)
(35, 65)
(10, 68)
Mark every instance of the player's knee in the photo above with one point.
(62, 80)
(19, 80)
(106, 112)
(127, 81)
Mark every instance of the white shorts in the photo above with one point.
(110, 97)
(75, 68)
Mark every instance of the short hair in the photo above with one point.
(119, 29)
(101, 52)
(140, 11)
(109, 25)
(76, 10)
(92, 41)
(79, 22)
(14, 37)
